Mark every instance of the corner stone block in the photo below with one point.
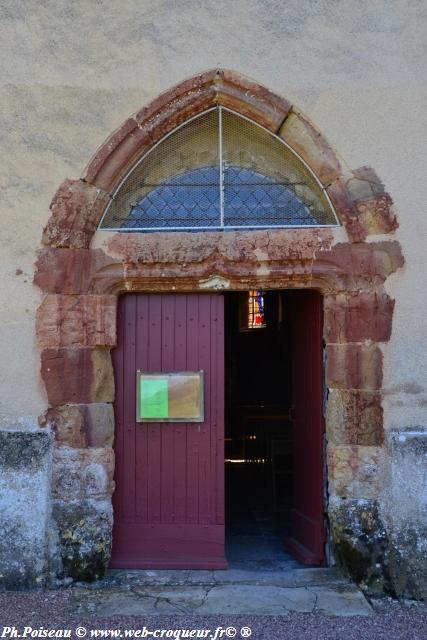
(69, 271)
(68, 424)
(25, 478)
(85, 534)
(363, 265)
(77, 376)
(361, 543)
(354, 471)
(362, 203)
(377, 215)
(77, 321)
(358, 316)
(301, 135)
(76, 210)
(354, 417)
(354, 366)
(81, 425)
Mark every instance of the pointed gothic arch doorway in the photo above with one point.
(82, 272)
(217, 171)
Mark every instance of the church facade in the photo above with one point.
(163, 222)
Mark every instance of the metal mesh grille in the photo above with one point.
(176, 186)
(265, 184)
(218, 171)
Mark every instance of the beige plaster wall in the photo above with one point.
(72, 72)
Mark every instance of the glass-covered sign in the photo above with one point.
(169, 397)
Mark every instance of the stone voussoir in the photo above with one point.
(77, 321)
(103, 166)
(77, 376)
(76, 209)
(175, 113)
(301, 135)
(251, 99)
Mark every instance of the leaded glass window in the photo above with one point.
(219, 171)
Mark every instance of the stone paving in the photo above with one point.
(236, 591)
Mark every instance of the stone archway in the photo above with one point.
(82, 276)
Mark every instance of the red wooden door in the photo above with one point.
(169, 496)
(307, 537)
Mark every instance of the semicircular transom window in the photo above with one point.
(219, 171)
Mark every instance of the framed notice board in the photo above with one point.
(169, 397)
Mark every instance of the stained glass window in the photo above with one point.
(256, 319)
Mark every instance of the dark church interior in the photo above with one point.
(258, 427)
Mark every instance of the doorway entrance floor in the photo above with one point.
(255, 543)
(236, 591)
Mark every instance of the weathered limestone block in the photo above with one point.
(98, 472)
(354, 417)
(302, 136)
(354, 366)
(77, 376)
(67, 481)
(354, 471)
(360, 543)
(358, 316)
(378, 556)
(405, 511)
(76, 210)
(79, 473)
(96, 480)
(25, 470)
(76, 321)
(84, 530)
(81, 425)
